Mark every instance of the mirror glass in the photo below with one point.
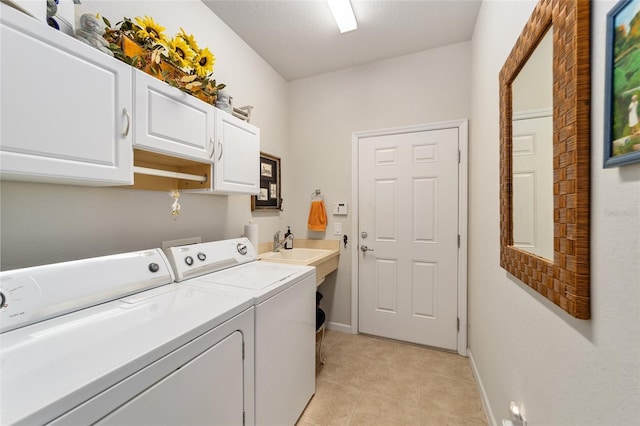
(532, 150)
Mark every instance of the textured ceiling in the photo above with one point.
(300, 39)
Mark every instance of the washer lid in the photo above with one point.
(258, 275)
(52, 366)
(259, 280)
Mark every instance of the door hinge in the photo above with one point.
(243, 350)
(458, 324)
(243, 418)
(459, 156)
(458, 240)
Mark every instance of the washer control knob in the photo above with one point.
(202, 256)
(188, 260)
(154, 267)
(242, 248)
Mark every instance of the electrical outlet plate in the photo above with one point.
(181, 242)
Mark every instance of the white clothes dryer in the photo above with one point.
(112, 340)
(284, 300)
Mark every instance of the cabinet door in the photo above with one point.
(170, 121)
(64, 107)
(237, 155)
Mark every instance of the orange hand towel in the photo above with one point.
(317, 216)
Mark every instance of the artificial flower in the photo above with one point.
(179, 52)
(149, 30)
(189, 39)
(203, 62)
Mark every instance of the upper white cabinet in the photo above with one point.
(171, 122)
(234, 168)
(237, 155)
(71, 114)
(65, 107)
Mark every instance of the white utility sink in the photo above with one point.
(302, 256)
(324, 259)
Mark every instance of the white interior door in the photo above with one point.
(408, 221)
(533, 185)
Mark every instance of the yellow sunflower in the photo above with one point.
(203, 62)
(150, 30)
(189, 39)
(179, 52)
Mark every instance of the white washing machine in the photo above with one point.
(284, 300)
(112, 340)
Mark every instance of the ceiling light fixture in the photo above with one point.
(343, 14)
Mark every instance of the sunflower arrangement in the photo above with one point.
(155, 49)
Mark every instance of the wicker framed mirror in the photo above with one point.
(564, 279)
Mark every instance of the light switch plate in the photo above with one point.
(337, 229)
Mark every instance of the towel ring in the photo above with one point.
(317, 195)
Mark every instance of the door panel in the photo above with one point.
(386, 285)
(408, 206)
(172, 122)
(386, 201)
(533, 185)
(424, 209)
(424, 289)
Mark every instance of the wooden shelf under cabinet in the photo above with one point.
(157, 161)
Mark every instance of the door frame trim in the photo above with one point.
(463, 139)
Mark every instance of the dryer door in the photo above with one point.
(206, 390)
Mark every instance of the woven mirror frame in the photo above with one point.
(565, 280)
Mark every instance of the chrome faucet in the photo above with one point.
(276, 242)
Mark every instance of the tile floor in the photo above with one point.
(372, 381)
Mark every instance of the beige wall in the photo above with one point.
(425, 87)
(563, 371)
(51, 223)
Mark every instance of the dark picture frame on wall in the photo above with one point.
(622, 85)
(269, 197)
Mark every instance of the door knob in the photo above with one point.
(365, 249)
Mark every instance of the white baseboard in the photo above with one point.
(483, 394)
(343, 328)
